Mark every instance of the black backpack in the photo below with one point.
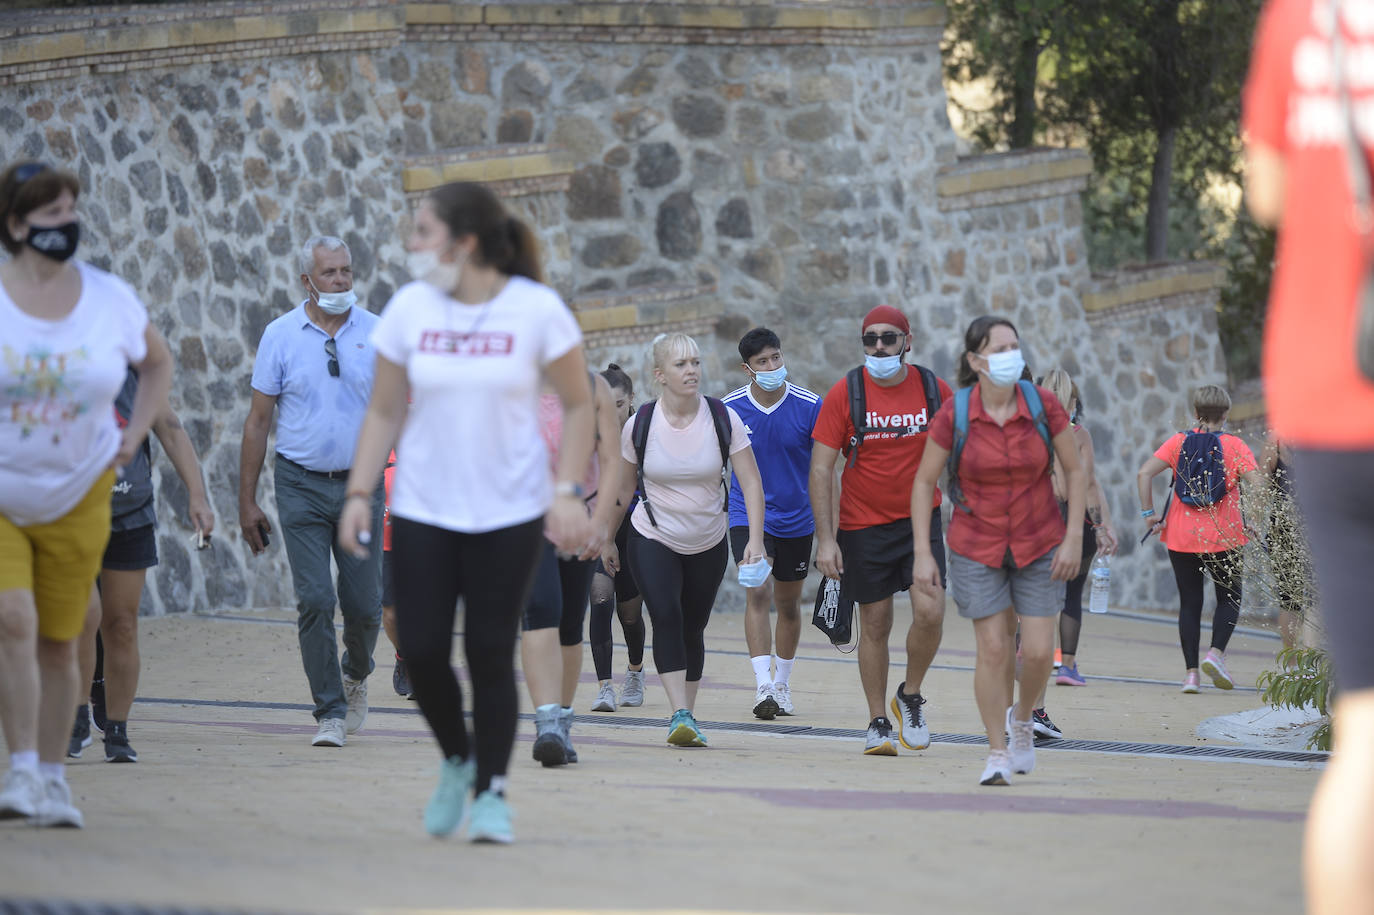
(1200, 476)
(858, 408)
(639, 436)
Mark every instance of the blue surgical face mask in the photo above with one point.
(771, 381)
(334, 303)
(883, 366)
(754, 574)
(1004, 369)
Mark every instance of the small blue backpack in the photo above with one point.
(1200, 476)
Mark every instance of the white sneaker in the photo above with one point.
(605, 699)
(1021, 743)
(782, 694)
(355, 691)
(21, 795)
(998, 769)
(55, 808)
(330, 734)
(765, 706)
(632, 691)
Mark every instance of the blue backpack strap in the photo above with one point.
(961, 407)
(858, 412)
(639, 437)
(1037, 412)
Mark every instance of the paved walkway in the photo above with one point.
(230, 807)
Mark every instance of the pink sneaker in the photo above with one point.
(1214, 667)
(1190, 683)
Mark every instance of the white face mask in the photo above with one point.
(1004, 369)
(426, 267)
(333, 303)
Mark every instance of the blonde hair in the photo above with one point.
(1211, 403)
(664, 349)
(1061, 385)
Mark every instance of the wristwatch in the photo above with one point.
(568, 488)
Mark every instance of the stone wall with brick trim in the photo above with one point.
(795, 160)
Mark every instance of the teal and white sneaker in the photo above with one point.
(683, 730)
(490, 819)
(444, 811)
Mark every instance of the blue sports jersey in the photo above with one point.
(781, 439)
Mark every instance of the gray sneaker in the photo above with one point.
(355, 692)
(632, 691)
(605, 698)
(565, 723)
(330, 734)
(878, 741)
(549, 748)
(81, 732)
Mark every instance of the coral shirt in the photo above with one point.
(1316, 395)
(877, 488)
(386, 517)
(1216, 528)
(1004, 475)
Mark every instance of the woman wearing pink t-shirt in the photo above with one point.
(677, 545)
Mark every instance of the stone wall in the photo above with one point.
(687, 165)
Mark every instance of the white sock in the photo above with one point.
(52, 771)
(784, 669)
(24, 761)
(551, 707)
(763, 676)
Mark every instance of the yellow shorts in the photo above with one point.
(58, 562)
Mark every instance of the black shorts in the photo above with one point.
(388, 581)
(878, 560)
(791, 556)
(625, 586)
(131, 550)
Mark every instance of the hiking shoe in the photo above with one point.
(1044, 727)
(21, 794)
(55, 807)
(565, 723)
(444, 811)
(81, 732)
(330, 733)
(765, 706)
(117, 749)
(355, 692)
(1214, 667)
(605, 698)
(98, 705)
(998, 769)
(549, 748)
(911, 721)
(490, 819)
(782, 694)
(878, 741)
(1069, 676)
(1021, 745)
(683, 730)
(1190, 683)
(400, 680)
(632, 691)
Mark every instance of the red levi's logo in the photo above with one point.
(453, 343)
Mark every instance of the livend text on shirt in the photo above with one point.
(900, 423)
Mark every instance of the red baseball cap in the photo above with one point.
(886, 314)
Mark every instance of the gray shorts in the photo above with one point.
(981, 591)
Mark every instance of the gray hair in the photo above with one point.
(327, 242)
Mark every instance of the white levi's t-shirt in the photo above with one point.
(471, 457)
(58, 383)
(682, 479)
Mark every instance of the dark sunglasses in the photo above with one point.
(28, 170)
(332, 349)
(887, 337)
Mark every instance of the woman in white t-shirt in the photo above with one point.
(472, 496)
(70, 334)
(677, 544)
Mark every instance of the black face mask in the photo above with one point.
(56, 242)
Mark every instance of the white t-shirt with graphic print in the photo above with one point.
(471, 457)
(58, 383)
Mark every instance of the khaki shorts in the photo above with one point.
(58, 562)
(980, 591)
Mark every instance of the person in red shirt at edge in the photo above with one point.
(400, 676)
(1010, 552)
(1297, 178)
(872, 551)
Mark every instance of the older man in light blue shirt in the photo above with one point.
(314, 367)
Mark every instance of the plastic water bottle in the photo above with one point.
(1100, 576)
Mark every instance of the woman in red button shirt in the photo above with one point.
(1009, 549)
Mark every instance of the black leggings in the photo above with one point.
(1071, 619)
(679, 592)
(492, 572)
(1224, 569)
(604, 605)
(559, 596)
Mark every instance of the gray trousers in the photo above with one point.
(308, 510)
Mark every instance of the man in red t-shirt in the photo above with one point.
(872, 552)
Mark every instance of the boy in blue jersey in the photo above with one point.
(779, 416)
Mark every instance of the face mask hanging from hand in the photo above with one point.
(771, 381)
(56, 242)
(1004, 369)
(754, 574)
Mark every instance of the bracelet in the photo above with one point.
(358, 494)
(1146, 512)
